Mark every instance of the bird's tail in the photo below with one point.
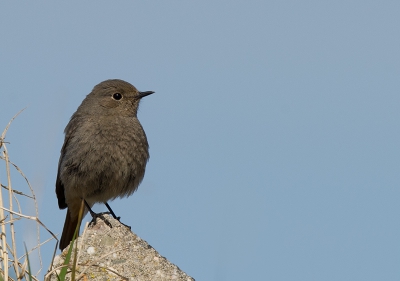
(70, 226)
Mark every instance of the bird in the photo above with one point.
(104, 154)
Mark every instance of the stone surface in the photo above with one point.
(117, 254)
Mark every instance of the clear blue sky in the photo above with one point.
(274, 130)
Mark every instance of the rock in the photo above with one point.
(116, 254)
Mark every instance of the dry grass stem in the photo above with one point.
(10, 216)
(14, 190)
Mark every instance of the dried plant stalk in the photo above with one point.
(13, 214)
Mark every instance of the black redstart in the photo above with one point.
(105, 151)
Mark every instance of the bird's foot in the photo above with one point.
(125, 225)
(97, 215)
(100, 216)
(114, 216)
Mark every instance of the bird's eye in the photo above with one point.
(117, 96)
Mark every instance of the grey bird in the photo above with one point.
(105, 151)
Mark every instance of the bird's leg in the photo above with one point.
(95, 215)
(112, 212)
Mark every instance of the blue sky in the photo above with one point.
(273, 132)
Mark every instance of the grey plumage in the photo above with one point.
(105, 151)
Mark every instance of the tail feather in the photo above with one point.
(70, 225)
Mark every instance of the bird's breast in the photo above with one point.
(105, 162)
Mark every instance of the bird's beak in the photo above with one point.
(143, 94)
